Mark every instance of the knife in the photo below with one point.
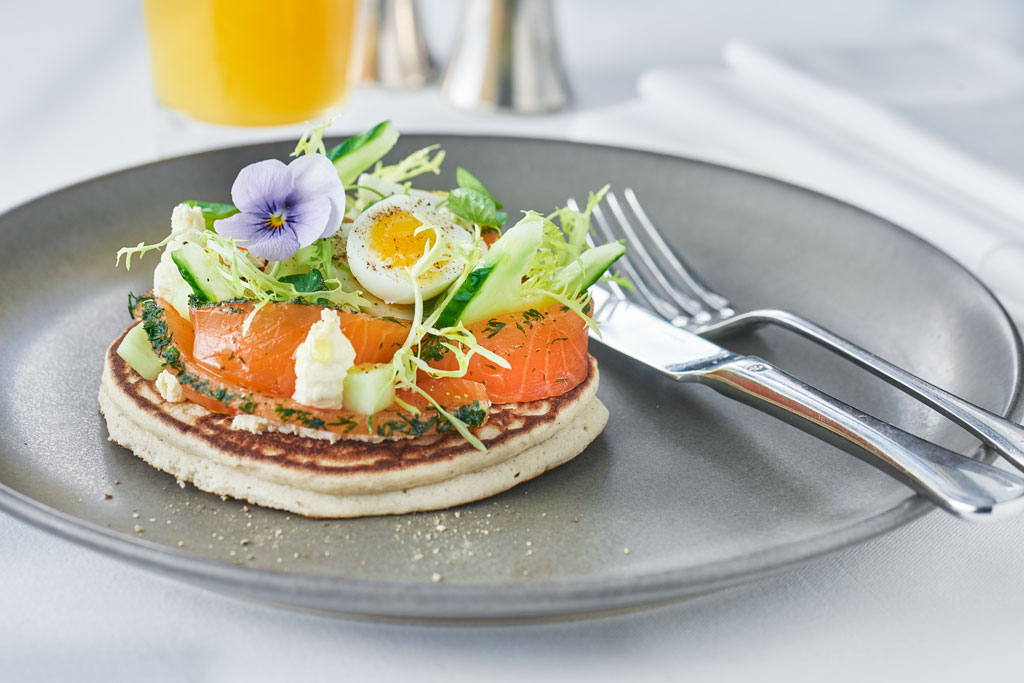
(965, 487)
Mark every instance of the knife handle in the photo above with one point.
(1000, 434)
(963, 486)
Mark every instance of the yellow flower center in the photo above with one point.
(275, 221)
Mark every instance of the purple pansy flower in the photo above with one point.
(284, 207)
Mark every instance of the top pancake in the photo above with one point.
(277, 469)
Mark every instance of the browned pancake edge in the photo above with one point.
(162, 432)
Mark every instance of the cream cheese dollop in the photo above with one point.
(321, 363)
(169, 387)
(187, 222)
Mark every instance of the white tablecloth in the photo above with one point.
(937, 599)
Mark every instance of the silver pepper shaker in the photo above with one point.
(389, 47)
(506, 58)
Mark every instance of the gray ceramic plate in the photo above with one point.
(703, 492)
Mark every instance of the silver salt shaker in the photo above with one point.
(389, 47)
(506, 58)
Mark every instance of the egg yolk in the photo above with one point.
(394, 240)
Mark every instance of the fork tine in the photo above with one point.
(677, 268)
(640, 257)
(642, 294)
(612, 286)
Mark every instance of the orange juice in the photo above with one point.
(250, 62)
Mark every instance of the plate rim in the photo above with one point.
(447, 601)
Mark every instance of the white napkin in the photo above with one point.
(772, 114)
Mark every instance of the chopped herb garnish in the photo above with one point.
(133, 303)
(531, 316)
(307, 419)
(348, 423)
(432, 348)
(472, 415)
(494, 326)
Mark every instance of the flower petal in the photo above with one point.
(315, 175)
(273, 244)
(308, 218)
(263, 187)
(241, 226)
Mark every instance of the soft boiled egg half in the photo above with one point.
(390, 237)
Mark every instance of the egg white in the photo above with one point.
(391, 282)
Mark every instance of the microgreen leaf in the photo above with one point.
(475, 207)
(313, 281)
(469, 181)
(213, 211)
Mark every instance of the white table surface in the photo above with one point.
(938, 599)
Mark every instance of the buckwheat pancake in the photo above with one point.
(318, 477)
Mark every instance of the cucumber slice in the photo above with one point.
(492, 287)
(578, 276)
(199, 271)
(137, 352)
(359, 152)
(368, 388)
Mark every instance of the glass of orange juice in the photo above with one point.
(250, 62)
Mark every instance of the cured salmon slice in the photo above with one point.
(546, 349)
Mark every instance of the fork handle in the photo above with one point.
(1002, 435)
(965, 487)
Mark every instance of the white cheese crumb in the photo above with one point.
(248, 423)
(185, 218)
(321, 363)
(257, 425)
(169, 387)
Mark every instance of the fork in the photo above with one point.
(667, 285)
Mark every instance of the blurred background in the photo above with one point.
(909, 108)
(78, 80)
